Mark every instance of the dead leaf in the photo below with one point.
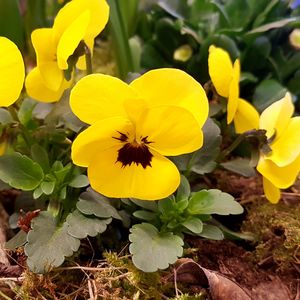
(221, 287)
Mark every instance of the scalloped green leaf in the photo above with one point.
(213, 202)
(152, 250)
(80, 226)
(48, 245)
(93, 203)
(20, 172)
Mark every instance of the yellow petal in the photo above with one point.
(110, 178)
(36, 88)
(171, 130)
(246, 117)
(275, 118)
(281, 177)
(271, 191)
(12, 72)
(220, 70)
(45, 48)
(98, 9)
(234, 91)
(71, 38)
(99, 96)
(99, 137)
(173, 87)
(286, 148)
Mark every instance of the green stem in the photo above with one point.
(228, 150)
(120, 39)
(54, 208)
(88, 60)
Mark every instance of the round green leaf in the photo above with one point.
(79, 181)
(152, 250)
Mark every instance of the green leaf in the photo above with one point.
(17, 241)
(11, 22)
(5, 116)
(40, 155)
(93, 203)
(80, 226)
(166, 205)
(152, 250)
(213, 202)
(240, 166)
(144, 215)
(175, 8)
(38, 192)
(25, 111)
(20, 172)
(48, 245)
(211, 232)
(267, 92)
(184, 189)
(48, 187)
(238, 12)
(79, 181)
(273, 25)
(149, 205)
(193, 224)
(203, 160)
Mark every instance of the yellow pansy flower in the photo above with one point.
(133, 127)
(78, 21)
(12, 72)
(281, 165)
(225, 77)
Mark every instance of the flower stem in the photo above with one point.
(88, 60)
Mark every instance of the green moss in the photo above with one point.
(277, 228)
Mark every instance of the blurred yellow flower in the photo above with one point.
(133, 127)
(12, 72)
(78, 21)
(281, 165)
(225, 77)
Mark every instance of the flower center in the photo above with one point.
(134, 152)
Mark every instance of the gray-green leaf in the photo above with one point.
(93, 203)
(193, 224)
(48, 245)
(152, 250)
(80, 226)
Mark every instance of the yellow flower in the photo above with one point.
(281, 166)
(77, 21)
(225, 77)
(12, 72)
(133, 127)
